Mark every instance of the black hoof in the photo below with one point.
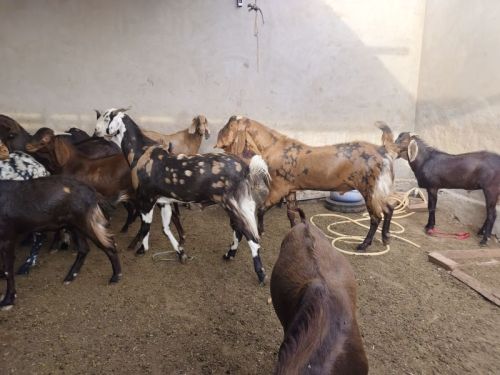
(64, 246)
(115, 278)
(386, 241)
(262, 277)
(229, 255)
(24, 269)
(70, 278)
(362, 246)
(182, 257)
(6, 304)
(483, 243)
(140, 251)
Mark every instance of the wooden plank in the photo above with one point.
(437, 258)
(487, 292)
(473, 253)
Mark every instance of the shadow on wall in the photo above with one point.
(318, 81)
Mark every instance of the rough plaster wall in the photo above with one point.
(328, 69)
(458, 106)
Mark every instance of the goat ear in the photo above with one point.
(192, 127)
(412, 150)
(61, 151)
(251, 144)
(98, 114)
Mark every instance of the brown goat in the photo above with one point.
(186, 141)
(313, 291)
(4, 151)
(294, 166)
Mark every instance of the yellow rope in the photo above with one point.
(399, 213)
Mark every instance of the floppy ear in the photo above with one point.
(412, 150)
(192, 127)
(61, 151)
(251, 144)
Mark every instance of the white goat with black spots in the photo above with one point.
(159, 176)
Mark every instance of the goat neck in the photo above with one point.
(134, 143)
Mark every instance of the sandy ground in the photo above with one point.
(211, 317)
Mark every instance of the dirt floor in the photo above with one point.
(211, 317)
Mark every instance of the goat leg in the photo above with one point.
(491, 215)
(386, 237)
(231, 253)
(131, 215)
(31, 260)
(431, 206)
(374, 222)
(7, 250)
(82, 247)
(176, 219)
(291, 204)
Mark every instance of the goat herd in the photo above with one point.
(69, 183)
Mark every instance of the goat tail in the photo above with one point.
(99, 224)
(387, 138)
(259, 170)
(241, 208)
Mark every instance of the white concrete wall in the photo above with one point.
(458, 106)
(328, 68)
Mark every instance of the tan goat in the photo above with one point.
(294, 166)
(186, 141)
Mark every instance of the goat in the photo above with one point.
(186, 141)
(109, 175)
(19, 166)
(294, 166)
(49, 203)
(210, 178)
(436, 170)
(313, 290)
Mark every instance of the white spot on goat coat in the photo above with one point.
(188, 173)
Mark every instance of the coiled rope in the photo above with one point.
(400, 212)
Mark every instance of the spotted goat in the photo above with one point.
(295, 166)
(160, 176)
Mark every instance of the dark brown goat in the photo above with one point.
(436, 170)
(49, 203)
(313, 291)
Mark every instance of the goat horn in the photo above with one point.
(61, 133)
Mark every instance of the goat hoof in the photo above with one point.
(24, 269)
(140, 251)
(483, 243)
(182, 257)
(71, 277)
(64, 246)
(6, 307)
(229, 255)
(115, 278)
(362, 247)
(261, 274)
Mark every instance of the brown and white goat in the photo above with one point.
(436, 170)
(187, 141)
(313, 290)
(49, 203)
(159, 176)
(294, 166)
(110, 176)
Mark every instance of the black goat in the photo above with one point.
(49, 203)
(436, 170)
(211, 178)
